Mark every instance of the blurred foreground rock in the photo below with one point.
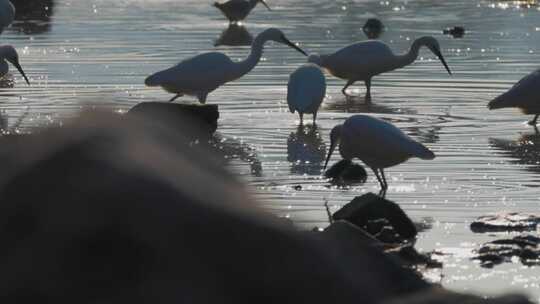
(111, 209)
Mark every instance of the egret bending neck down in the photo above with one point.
(202, 74)
(8, 53)
(431, 43)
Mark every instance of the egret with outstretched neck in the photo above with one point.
(363, 60)
(306, 90)
(375, 142)
(202, 74)
(238, 10)
(525, 95)
(7, 14)
(9, 54)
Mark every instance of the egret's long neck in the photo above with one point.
(253, 3)
(245, 66)
(409, 57)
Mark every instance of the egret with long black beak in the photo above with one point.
(238, 10)
(306, 90)
(363, 60)
(375, 142)
(525, 95)
(202, 74)
(8, 53)
(7, 14)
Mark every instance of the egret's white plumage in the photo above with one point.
(238, 10)
(9, 54)
(363, 60)
(306, 90)
(377, 143)
(202, 74)
(7, 14)
(525, 94)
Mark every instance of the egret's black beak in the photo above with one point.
(287, 42)
(264, 3)
(441, 58)
(333, 145)
(18, 66)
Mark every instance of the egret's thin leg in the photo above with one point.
(536, 130)
(368, 87)
(301, 118)
(314, 117)
(378, 177)
(348, 84)
(533, 122)
(202, 97)
(384, 179)
(175, 97)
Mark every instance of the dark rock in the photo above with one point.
(441, 296)
(388, 235)
(456, 31)
(347, 232)
(346, 172)
(297, 187)
(526, 248)
(373, 28)
(202, 118)
(368, 207)
(501, 222)
(376, 226)
(411, 257)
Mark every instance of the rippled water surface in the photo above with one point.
(99, 52)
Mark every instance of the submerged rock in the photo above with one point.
(506, 221)
(370, 207)
(203, 118)
(525, 248)
(373, 28)
(346, 172)
(456, 31)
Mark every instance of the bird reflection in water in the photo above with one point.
(306, 150)
(524, 151)
(33, 17)
(234, 35)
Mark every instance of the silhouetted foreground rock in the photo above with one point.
(113, 209)
(526, 248)
(175, 115)
(369, 208)
(509, 221)
(346, 172)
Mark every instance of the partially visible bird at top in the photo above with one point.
(8, 53)
(525, 95)
(7, 14)
(238, 10)
(202, 74)
(306, 90)
(373, 28)
(363, 60)
(375, 142)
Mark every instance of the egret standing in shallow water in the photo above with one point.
(8, 53)
(363, 60)
(202, 74)
(238, 10)
(377, 143)
(525, 94)
(306, 90)
(7, 14)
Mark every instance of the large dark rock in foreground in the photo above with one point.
(363, 210)
(202, 118)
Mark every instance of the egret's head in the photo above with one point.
(315, 58)
(335, 136)
(433, 45)
(278, 36)
(7, 52)
(263, 3)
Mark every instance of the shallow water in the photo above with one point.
(99, 52)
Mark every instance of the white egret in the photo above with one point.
(306, 90)
(202, 74)
(7, 14)
(8, 53)
(377, 143)
(238, 10)
(524, 95)
(363, 60)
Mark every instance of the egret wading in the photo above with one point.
(238, 10)
(306, 90)
(202, 74)
(7, 14)
(363, 60)
(9, 54)
(377, 143)
(525, 95)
